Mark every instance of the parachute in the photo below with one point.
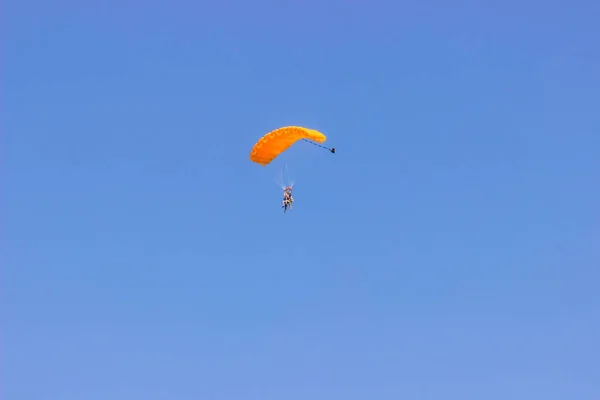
(276, 142)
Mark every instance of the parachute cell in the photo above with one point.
(276, 142)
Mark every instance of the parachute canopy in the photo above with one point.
(276, 142)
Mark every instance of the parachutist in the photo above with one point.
(332, 150)
(287, 198)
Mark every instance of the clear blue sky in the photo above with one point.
(449, 250)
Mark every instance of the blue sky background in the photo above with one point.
(449, 250)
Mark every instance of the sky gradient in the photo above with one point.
(448, 250)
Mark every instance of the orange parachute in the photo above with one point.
(276, 142)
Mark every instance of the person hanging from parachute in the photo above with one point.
(287, 199)
(276, 142)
